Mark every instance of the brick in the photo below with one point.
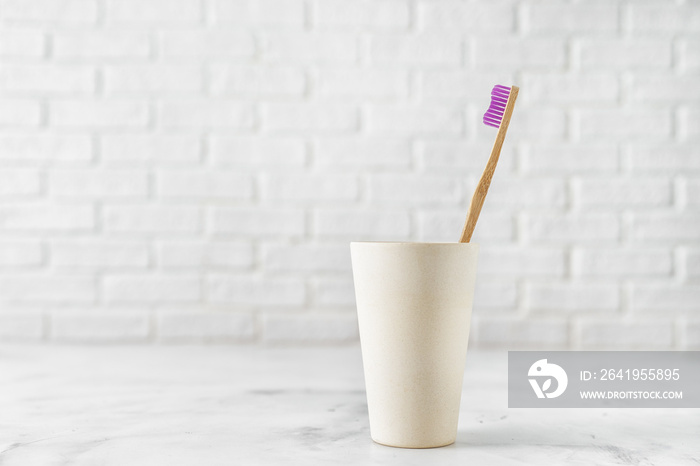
(239, 12)
(492, 227)
(460, 16)
(691, 263)
(98, 114)
(667, 227)
(664, 158)
(310, 328)
(47, 217)
(191, 184)
(377, 152)
(207, 44)
(260, 12)
(459, 156)
(53, 79)
(423, 49)
(448, 156)
(310, 117)
(45, 148)
(571, 228)
(310, 187)
(571, 297)
(535, 192)
(565, 18)
(152, 78)
(92, 183)
(623, 335)
(180, 326)
(603, 262)
(97, 326)
(495, 294)
(17, 43)
(144, 149)
(623, 54)
(565, 158)
(68, 11)
(690, 335)
(254, 153)
(460, 86)
(312, 48)
(416, 189)
(515, 261)
(641, 124)
(620, 193)
(151, 289)
(307, 258)
(508, 53)
(19, 113)
(20, 253)
(447, 225)
(19, 183)
(690, 55)
(156, 11)
(362, 225)
(509, 332)
(43, 289)
(101, 45)
(660, 17)
(434, 119)
(21, 326)
(98, 253)
(206, 114)
(535, 123)
(665, 298)
(277, 12)
(377, 84)
(191, 254)
(150, 219)
(250, 291)
(664, 89)
(258, 222)
(689, 123)
(362, 14)
(579, 88)
(255, 80)
(334, 292)
(692, 192)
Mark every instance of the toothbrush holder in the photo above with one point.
(414, 303)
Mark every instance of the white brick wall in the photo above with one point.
(193, 170)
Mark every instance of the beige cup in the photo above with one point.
(414, 303)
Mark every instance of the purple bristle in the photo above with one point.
(499, 98)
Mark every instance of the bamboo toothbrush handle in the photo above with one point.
(485, 181)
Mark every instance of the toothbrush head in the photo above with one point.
(499, 99)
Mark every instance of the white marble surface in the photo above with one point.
(63, 405)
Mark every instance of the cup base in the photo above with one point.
(413, 447)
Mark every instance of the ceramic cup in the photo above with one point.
(414, 303)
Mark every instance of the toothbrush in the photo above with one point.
(498, 116)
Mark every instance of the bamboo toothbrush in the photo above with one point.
(498, 116)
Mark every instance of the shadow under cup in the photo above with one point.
(414, 303)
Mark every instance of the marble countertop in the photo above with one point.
(216, 405)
